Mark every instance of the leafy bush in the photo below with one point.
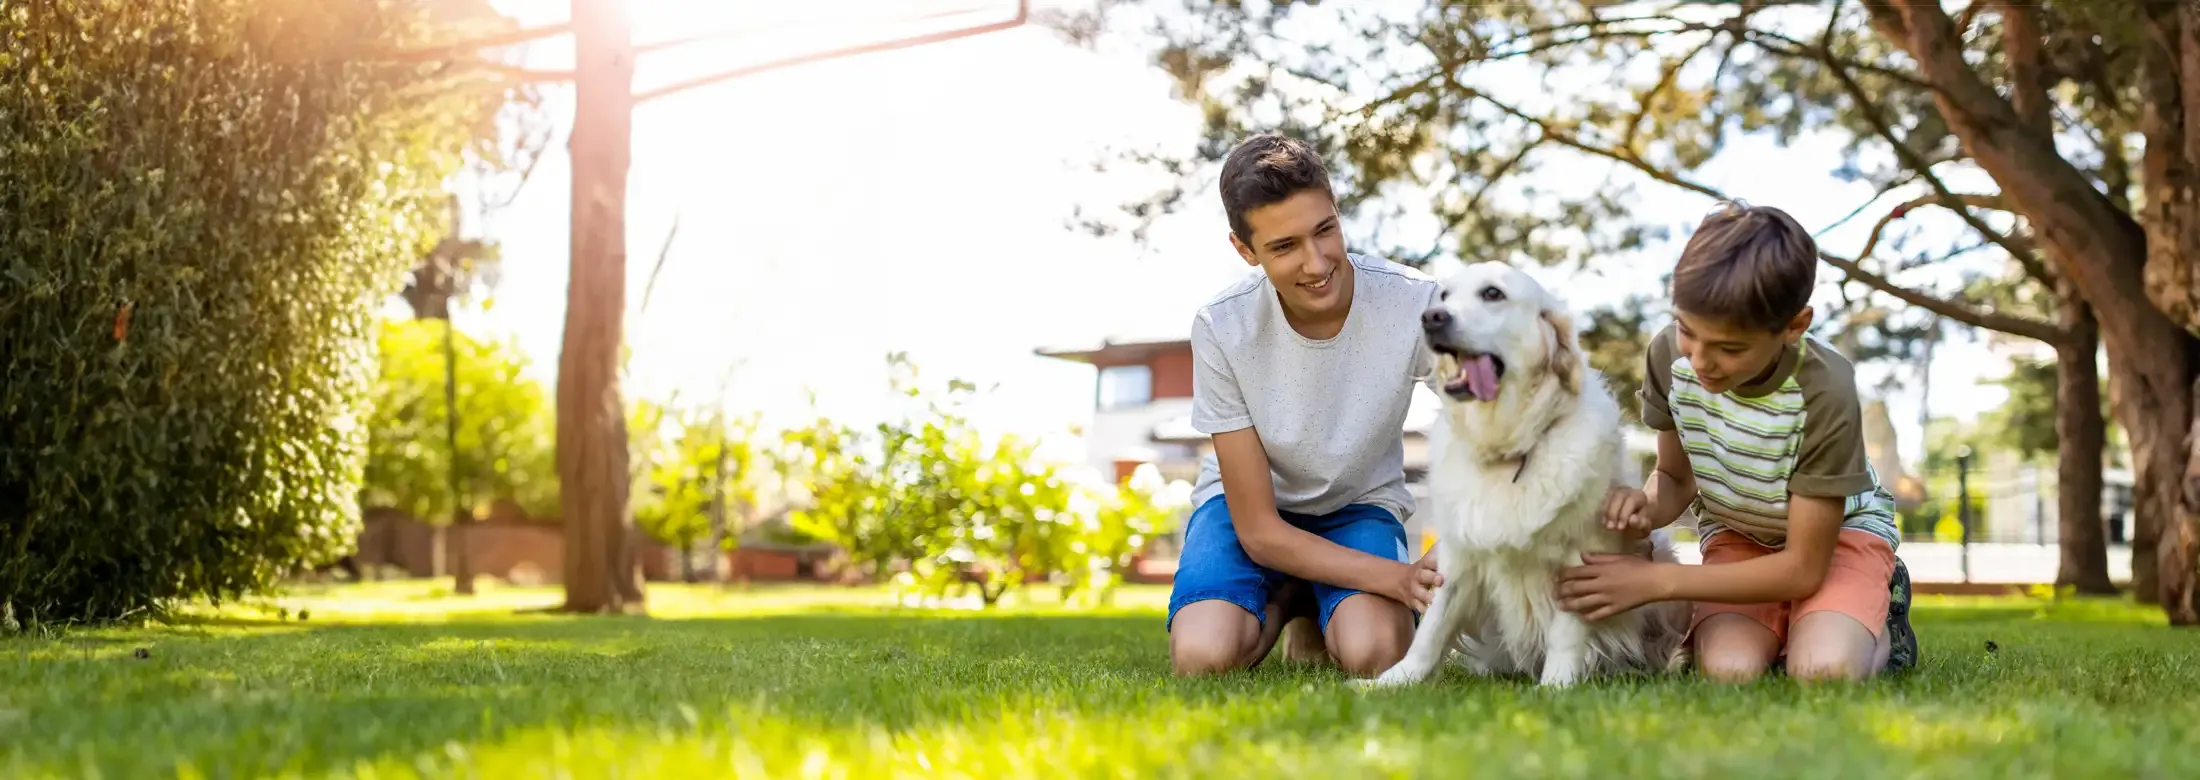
(200, 202)
(929, 500)
(506, 444)
(1124, 518)
(674, 504)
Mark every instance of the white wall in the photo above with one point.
(1127, 434)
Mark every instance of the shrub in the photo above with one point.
(506, 449)
(929, 500)
(200, 202)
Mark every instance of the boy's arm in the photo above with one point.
(1794, 572)
(1672, 485)
(1279, 545)
(1606, 585)
(1220, 411)
(1830, 466)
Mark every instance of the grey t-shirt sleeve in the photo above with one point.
(1424, 359)
(1218, 405)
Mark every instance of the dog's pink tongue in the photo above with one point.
(1481, 374)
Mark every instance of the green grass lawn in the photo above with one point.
(402, 681)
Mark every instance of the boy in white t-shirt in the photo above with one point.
(1303, 373)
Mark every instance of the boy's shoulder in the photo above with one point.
(1826, 376)
(1391, 274)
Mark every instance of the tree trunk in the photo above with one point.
(462, 560)
(2083, 434)
(718, 499)
(2170, 86)
(2102, 251)
(601, 569)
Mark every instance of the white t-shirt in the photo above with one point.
(1330, 413)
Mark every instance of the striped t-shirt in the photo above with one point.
(1799, 431)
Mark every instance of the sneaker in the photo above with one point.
(1901, 639)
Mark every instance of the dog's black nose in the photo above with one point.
(1436, 318)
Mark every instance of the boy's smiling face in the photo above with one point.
(1726, 356)
(1299, 243)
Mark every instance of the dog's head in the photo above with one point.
(1496, 328)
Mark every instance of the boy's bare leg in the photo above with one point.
(1369, 633)
(1734, 648)
(1833, 646)
(1215, 636)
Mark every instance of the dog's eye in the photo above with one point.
(1443, 295)
(1492, 294)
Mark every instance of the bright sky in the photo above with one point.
(919, 200)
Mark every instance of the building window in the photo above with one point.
(1124, 387)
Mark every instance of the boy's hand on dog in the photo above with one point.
(1608, 584)
(1627, 510)
(1416, 585)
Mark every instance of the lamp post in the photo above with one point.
(1963, 506)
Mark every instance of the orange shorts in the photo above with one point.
(1856, 583)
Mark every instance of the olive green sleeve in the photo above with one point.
(1831, 462)
(1657, 381)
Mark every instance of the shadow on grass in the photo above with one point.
(316, 699)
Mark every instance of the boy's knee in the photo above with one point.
(1730, 667)
(1206, 655)
(1369, 634)
(1830, 647)
(1213, 637)
(1822, 663)
(1369, 653)
(1820, 669)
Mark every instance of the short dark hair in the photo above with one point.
(1753, 266)
(1267, 169)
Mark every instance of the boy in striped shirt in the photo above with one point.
(1759, 431)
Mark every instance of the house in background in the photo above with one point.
(1142, 413)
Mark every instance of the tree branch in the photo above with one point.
(1665, 82)
(460, 49)
(1981, 201)
(1990, 320)
(752, 32)
(1960, 312)
(1790, 47)
(1474, 205)
(2021, 42)
(1563, 138)
(2099, 245)
(524, 75)
(1970, 13)
(1910, 158)
(1023, 13)
(1495, 56)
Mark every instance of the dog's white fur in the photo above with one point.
(1504, 528)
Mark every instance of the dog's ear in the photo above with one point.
(1565, 351)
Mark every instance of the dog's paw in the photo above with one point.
(1560, 677)
(1398, 676)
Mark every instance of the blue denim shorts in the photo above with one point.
(1213, 565)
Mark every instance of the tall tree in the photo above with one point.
(602, 571)
(1437, 104)
(601, 567)
(446, 275)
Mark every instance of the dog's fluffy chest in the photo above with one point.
(1541, 508)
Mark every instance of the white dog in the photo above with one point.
(1520, 461)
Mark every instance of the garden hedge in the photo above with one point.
(200, 203)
